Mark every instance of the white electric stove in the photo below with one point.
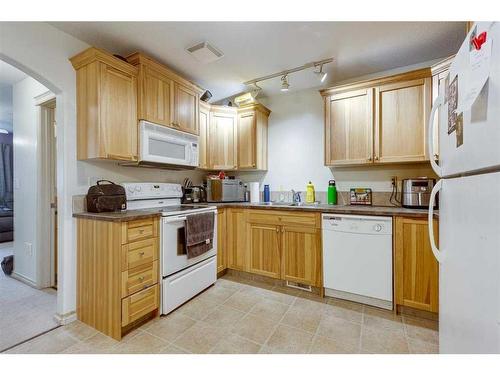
(182, 278)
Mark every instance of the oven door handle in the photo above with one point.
(175, 219)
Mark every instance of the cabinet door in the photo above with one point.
(402, 110)
(222, 145)
(349, 128)
(221, 240)
(118, 113)
(264, 249)
(156, 98)
(416, 270)
(185, 109)
(247, 158)
(204, 137)
(301, 253)
(236, 225)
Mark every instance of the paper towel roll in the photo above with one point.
(254, 192)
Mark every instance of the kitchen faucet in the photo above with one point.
(295, 197)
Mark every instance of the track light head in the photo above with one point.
(284, 83)
(322, 75)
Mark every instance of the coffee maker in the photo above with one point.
(193, 194)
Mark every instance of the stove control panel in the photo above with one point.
(151, 190)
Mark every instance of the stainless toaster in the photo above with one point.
(416, 192)
(226, 190)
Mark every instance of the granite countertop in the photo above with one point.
(338, 209)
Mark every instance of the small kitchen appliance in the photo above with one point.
(416, 192)
(194, 194)
(225, 190)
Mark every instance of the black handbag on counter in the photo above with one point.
(107, 197)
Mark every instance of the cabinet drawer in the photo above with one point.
(307, 219)
(277, 217)
(139, 278)
(139, 304)
(138, 253)
(140, 229)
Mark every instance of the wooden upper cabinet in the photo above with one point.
(252, 137)
(155, 96)
(204, 140)
(378, 121)
(349, 128)
(106, 106)
(185, 109)
(416, 271)
(223, 138)
(166, 98)
(402, 110)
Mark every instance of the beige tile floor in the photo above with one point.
(24, 311)
(238, 317)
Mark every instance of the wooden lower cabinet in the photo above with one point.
(236, 239)
(301, 255)
(264, 243)
(221, 240)
(117, 274)
(416, 271)
(278, 244)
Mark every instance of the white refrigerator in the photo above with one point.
(469, 199)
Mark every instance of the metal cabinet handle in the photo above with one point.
(376, 157)
(141, 278)
(141, 231)
(277, 229)
(370, 158)
(142, 253)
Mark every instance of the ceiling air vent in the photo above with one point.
(205, 52)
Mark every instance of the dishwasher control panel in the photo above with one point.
(358, 224)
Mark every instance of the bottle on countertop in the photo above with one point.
(267, 194)
(332, 192)
(310, 195)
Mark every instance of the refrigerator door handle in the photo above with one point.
(430, 137)
(437, 253)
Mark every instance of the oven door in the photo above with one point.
(173, 249)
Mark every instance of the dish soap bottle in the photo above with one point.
(332, 192)
(310, 198)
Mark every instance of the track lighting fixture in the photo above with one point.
(285, 85)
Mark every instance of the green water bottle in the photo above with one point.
(332, 192)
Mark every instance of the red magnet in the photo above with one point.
(479, 40)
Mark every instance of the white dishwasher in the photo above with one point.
(357, 258)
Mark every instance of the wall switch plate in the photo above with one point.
(28, 248)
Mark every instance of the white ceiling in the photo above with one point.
(8, 77)
(253, 49)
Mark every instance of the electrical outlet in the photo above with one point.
(394, 180)
(28, 248)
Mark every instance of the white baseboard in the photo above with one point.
(65, 318)
(24, 279)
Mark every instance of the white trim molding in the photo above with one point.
(64, 319)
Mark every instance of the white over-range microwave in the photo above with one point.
(162, 145)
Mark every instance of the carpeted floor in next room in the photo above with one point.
(24, 311)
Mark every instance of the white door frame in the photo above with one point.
(46, 240)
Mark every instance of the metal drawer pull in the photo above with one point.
(141, 278)
(141, 231)
(142, 253)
